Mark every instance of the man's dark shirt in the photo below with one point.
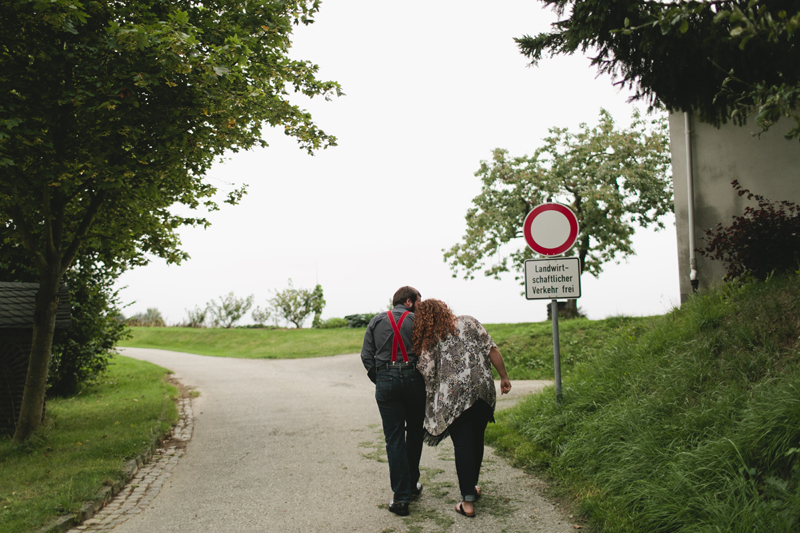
(377, 348)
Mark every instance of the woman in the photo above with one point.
(454, 358)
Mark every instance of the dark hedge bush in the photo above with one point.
(763, 241)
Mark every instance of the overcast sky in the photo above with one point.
(432, 87)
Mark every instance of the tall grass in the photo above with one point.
(527, 348)
(690, 424)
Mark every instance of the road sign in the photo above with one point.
(551, 229)
(550, 279)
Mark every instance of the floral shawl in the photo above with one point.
(457, 373)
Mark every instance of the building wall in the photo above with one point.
(768, 165)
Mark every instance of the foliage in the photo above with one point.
(82, 353)
(294, 305)
(760, 242)
(84, 444)
(113, 112)
(691, 423)
(612, 179)
(332, 323)
(196, 318)
(359, 320)
(317, 305)
(229, 310)
(261, 316)
(151, 318)
(740, 55)
(251, 342)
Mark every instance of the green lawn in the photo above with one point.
(84, 444)
(527, 347)
(250, 343)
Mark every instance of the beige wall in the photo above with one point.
(768, 165)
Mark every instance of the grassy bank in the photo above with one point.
(690, 423)
(527, 348)
(250, 343)
(84, 444)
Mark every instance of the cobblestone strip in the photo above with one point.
(137, 495)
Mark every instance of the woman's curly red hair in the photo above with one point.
(433, 321)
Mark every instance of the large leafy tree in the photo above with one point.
(724, 59)
(112, 112)
(612, 178)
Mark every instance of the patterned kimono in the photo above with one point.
(457, 373)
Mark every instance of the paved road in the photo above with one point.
(296, 445)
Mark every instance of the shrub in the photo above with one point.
(359, 321)
(149, 319)
(760, 242)
(195, 318)
(81, 353)
(333, 323)
(261, 316)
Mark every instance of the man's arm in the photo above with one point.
(368, 352)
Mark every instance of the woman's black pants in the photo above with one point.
(467, 434)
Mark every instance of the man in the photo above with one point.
(388, 355)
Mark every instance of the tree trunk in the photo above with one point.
(44, 321)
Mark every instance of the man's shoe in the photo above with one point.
(398, 508)
(416, 491)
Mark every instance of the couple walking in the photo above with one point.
(433, 379)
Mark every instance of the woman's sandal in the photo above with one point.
(460, 510)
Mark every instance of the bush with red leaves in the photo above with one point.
(762, 241)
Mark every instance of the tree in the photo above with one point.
(294, 305)
(112, 112)
(612, 179)
(723, 59)
(229, 310)
(317, 305)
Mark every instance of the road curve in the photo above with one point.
(296, 445)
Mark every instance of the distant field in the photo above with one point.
(526, 347)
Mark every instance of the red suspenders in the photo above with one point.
(397, 339)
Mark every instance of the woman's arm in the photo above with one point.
(500, 366)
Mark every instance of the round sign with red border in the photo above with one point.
(551, 229)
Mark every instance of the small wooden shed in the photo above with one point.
(17, 302)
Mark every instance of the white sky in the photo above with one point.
(432, 87)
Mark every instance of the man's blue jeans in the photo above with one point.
(400, 393)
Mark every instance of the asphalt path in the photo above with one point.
(296, 445)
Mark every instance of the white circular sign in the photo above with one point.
(551, 229)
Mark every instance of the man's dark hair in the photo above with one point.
(405, 293)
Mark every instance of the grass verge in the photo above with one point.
(250, 343)
(527, 348)
(690, 423)
(84, 444)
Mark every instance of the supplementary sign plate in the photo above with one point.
(551, 279)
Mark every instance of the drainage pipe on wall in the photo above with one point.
(690, 202)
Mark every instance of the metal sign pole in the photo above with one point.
(556, 350)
